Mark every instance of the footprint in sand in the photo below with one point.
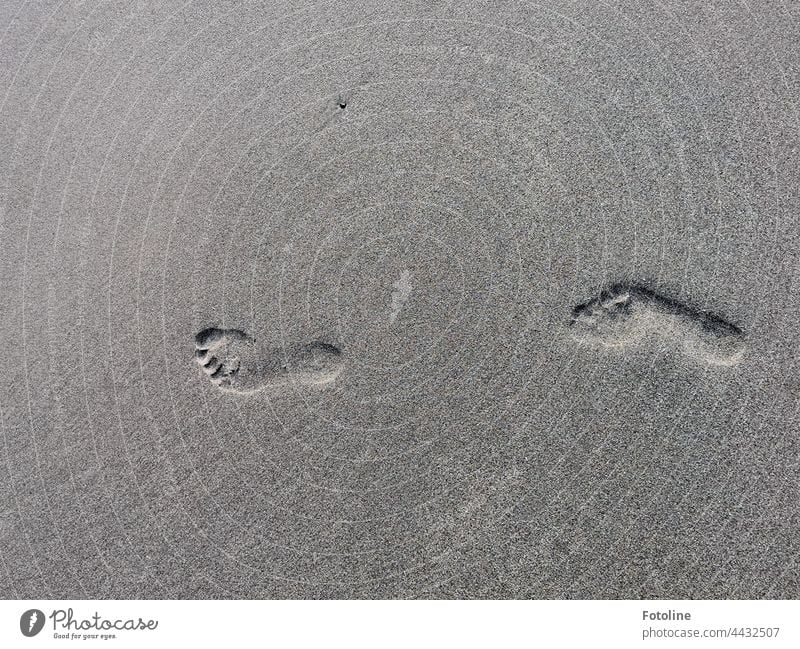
(625, 314)
(235, 362)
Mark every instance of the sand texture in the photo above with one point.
(399, 299)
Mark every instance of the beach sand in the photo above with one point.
(514, 291)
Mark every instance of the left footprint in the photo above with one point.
(235, 362)
(624, 314)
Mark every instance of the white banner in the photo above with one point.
(354, 624)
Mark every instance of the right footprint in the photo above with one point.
(235, 362)
(624, 314)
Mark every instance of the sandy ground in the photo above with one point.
(430, 188)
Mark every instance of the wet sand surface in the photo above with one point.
(508, 296)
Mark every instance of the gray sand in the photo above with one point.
(430, 189)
